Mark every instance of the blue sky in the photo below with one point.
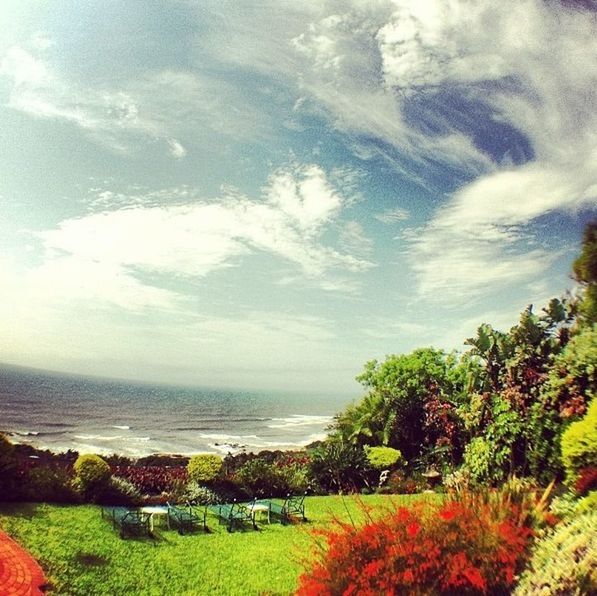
(268, 194)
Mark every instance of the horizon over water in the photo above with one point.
(60, 411)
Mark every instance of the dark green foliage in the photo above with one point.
(260, 478)
(118, 491)
(8, 469)
(337, 466)
(585, 272)
(200, 495)
(499, 451)
(49, 484)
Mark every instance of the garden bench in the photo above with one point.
(186, 519)
(233, 514)
(130, 522)
(293, 505)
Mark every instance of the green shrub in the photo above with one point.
(478, 459)
(49, 484)
(92, 475)
(204, 468)
(564, 561)
(382, 458)
(336, 466)
(564, 506)
(199, 494)
(118, 491)
(259, 478)
(588, 503)
(579, 443)
(458, 481)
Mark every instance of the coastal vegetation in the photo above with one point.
(509, 427)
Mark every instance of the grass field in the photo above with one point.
(82, 555)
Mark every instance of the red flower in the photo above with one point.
(413, 529)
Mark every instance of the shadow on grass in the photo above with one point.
(23, 510)
(90, 559)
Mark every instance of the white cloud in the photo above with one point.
(354, 240)
(391, 216)
(177, 150)
(482, 238)
(163, 105)
(107, 256)
(24, 69)
(427, 44)
(379, 71)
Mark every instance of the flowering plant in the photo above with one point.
(446, 549)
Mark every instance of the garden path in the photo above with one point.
(20, 573)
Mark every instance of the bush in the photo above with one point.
(154, 480)
(400, 484)
(118, 491)
(564, 561)
(92, 475)
(51, 484)
(478, 459)
(588, 503)
(200, 494)
(259, 478)
(564, 506)
(204, 468)
(91, 469)
(458, 481)
(445, 549)
(579, 444)
(8, 468)
(382, 458)
(339, 466)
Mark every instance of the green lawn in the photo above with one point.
(82, 554)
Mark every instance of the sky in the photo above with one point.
(268, 194)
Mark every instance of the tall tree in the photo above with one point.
(585, 272)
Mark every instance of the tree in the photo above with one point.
(393, 412)
(585, 272)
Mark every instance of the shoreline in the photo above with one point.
(221, 449)
(34, 452)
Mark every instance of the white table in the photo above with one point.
(156, 510)
(260, 508)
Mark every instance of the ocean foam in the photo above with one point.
(301, 420)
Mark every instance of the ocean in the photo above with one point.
(93, 415)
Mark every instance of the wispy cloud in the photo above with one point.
(482, 238)
(391, 216)
(354, 240)
(109, 255)
(433, 89)
(160, 105)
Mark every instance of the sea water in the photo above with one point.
(92, 415)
